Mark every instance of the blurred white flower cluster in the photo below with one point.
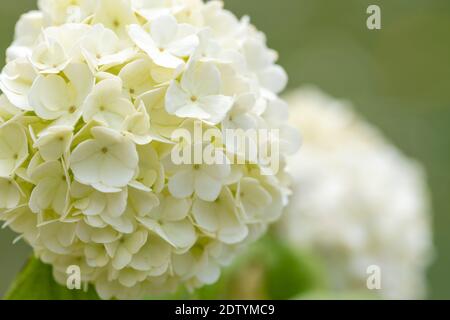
(357, 200)
(92, 92)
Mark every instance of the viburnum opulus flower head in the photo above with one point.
(93, 92)
(358, 201)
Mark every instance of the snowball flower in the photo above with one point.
(107, 162)
(10, 196)
(168, 42)
(198, 95)
(52, 189)
(54, 142)
(253, 198)
(13, 148)
(137, 77)
(94, 93)
(261, 61)
(53, 97)
(116, 15)
(123, 249)
(98, 207)
(27, 30)
(205, 181)
(16, 80)
(106, 104)
(358, 202)
(102, 48)
(170, 221)
(225, 223)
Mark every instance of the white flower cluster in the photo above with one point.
(92, 92)
(357, 201)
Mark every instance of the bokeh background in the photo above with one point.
(397, 77)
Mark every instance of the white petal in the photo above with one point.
(207, 188)
(202, 79)
(95, 222)
(205, 215)
(209, 271)
(176, 209)
(216, 107)
(180, 234)
(274, 78)
(145, 42)
(96, 204)
(142, 202)
(85, 163)
(167, 60)
(50, 97)
(193, 110)
(184, 47)
(135, 241)
(181, 185)
(81, 78)
(9, 194)
(116, 203)
(121, 258)
(183, 264)
(153, 254)
(13, 148)
(114, 172)
(52, 144)
(164, 29)
(219, 171)
(108, 162)
(142, 39)
(16, 80)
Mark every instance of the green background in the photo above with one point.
(397, 77)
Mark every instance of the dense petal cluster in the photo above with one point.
(358, 201)
(93, 91)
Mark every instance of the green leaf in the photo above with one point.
(336, 295)
(35, 282)
(269, 269)
(288, 272)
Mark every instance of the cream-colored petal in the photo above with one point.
(181, 185)
(13, 148)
